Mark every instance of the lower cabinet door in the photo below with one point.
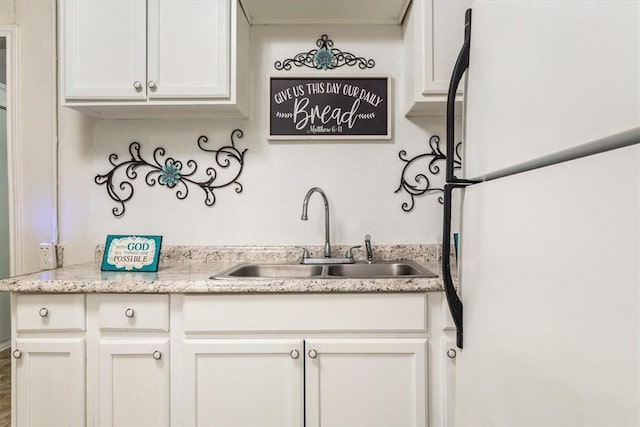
(133, 383)
(366, 382)
(50, 382)
(243, 383)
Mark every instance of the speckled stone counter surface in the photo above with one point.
(187, 269)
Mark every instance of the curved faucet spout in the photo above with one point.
(305, 203)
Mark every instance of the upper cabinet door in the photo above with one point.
(442, 37)
(189, 48)
(104, 50)
(546, 77)
(432, 37)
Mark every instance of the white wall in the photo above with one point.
(358, 177)
(35, 135)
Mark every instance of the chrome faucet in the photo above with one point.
(305, 203)
(367, 244)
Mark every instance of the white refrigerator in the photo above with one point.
(549, 253)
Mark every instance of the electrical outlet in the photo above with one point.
(47, 256)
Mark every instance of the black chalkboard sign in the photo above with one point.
(329, 108)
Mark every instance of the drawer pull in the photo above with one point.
(44, 312)
(294, 354)
(17, 354)
(152, 85)
(137, 85)
(157, 355)
(313, 354)
(130, 313)
(451, 353)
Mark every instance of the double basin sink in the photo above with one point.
(381, 269)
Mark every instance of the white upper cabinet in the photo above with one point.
(101, 63)
(188, 49)
(164, 57)
(433, 36)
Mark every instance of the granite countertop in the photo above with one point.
(188, 270)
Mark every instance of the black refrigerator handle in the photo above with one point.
(455, 304)
(462, 64)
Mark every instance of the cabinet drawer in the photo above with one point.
(50, 312)
(404, 312)
(134, 312)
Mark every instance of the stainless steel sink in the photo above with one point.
(382, 269)
(272, 271)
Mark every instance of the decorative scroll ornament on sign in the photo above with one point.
(413, 179)
(325, 57)
(172, 173)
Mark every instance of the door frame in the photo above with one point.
(14, 153)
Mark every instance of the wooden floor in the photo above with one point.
(5, 388)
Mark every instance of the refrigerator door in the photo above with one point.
(548, 76)
(550, 283)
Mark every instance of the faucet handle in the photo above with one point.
(305, 254)
(349, 253)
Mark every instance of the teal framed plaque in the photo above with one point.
(131, 253)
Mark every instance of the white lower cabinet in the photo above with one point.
(270, 382)
(133, 384)
(366, 382)
(48, 360)
(49, 387)
(242, 382)
(231, 360)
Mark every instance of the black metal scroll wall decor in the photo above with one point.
(418, 183)
(173, 173)
(325, 57)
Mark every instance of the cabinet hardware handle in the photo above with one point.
(152, 84)
(130, 313)
(452, 353)
(44, 312)
(294, 354)
(157, 355)
(137, 85)
(313, 354)
(17, 354)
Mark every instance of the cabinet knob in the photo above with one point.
(17, 354)
(43, 312)
(157, 355)
(130, 313)
(137, 85)
(452, 353)
(294, 354)
(313, 354)
(151, 84)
